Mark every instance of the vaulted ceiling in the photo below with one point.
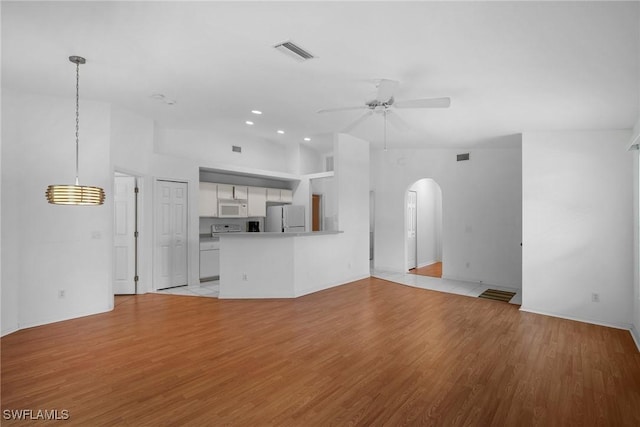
(508, 67)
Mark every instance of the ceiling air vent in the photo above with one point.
(294, 51)
(461, 157)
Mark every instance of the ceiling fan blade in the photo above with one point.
(331, 110)
(397, 121)
(424, 103)
(386, 89)
(359, 120)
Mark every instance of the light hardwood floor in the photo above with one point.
(431, 270)
(367, 353)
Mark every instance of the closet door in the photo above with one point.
(170, 262)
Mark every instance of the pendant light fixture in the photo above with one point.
(75, 194)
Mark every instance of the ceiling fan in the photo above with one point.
(384, 103)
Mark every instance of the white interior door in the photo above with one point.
(124, 256)
(171, 234)
(412, 219)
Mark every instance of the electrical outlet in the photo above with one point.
(468, 264)
(244, 277)
(595, 297)
(61, 293)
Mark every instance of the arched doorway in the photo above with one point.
(423, 227)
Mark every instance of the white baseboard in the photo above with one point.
(487, 284)
(624, 326)
(319, 288)
(11, 330)
(636, 336)
(296, 292)
(425, 264)
(39, 322)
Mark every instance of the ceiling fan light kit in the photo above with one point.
(75, 194)
(385, 103)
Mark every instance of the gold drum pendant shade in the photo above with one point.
(75, 194)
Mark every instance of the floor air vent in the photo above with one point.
(461, 157)
(294, 51)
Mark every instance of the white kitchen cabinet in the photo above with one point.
(273, 194)
(286, 196)
(209, 260)
(225, 192)
(257, 202)
(278, 195)
(240, 192)
(232, 192)
(208, 199)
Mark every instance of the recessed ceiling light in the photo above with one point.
(249, 122)
(281, 132)
(307, 139)
(256, 112)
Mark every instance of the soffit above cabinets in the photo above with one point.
(249, 178)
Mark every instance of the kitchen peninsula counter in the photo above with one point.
(281, 265)
(277, 234)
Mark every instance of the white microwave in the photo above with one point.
(232, 209)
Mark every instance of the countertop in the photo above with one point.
(208, 238)
(205, 237)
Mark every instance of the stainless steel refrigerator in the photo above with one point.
(286, 218)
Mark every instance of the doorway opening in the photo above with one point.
(125, 234)
(423, 228)
(316, 212)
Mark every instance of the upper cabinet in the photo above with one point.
(286, 196)
(208, 199)
(232, 192)
(256, 202)
(240, 193)
(225, 192)
(280, 196)
(256, 197)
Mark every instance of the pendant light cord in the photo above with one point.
(385, 129)
(77, 116)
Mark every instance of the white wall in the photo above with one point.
(429, 221)
(481, 209)
(132, 152)
(211, 148)
(327, 189)
(577, 225)
(311, 161)
(352, 182)
(47, 248)
(285, 267)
